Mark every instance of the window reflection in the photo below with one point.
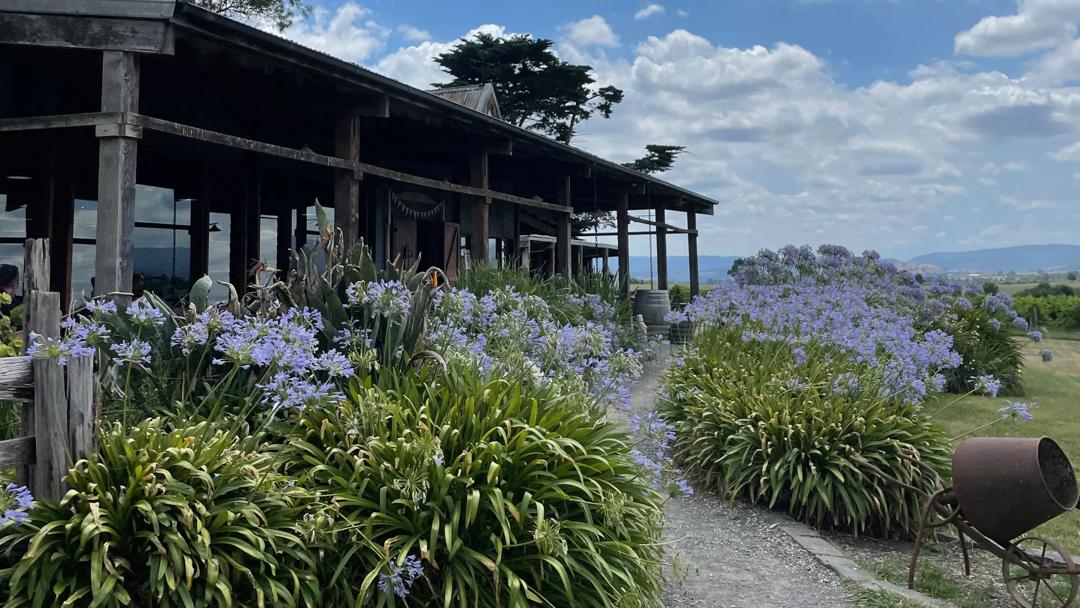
(218, 255)
(162, 244)
(268, 239)
(15, 195)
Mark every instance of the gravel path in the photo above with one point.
(725, 555)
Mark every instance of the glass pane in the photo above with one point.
(85, 219)
(268, 239)
(12, 216)
(313, 219)
(218, 259)
(82, 269)
(162, 251)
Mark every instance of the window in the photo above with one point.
(15, 196)
(268, 226)
(162, 247)
(218, 255)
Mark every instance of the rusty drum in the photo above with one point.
(1006, 486)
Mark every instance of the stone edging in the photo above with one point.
(833, 558)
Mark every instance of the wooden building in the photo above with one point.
(154, 137)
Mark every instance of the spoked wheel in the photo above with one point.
(1039, 574)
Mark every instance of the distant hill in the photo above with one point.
(711, 268)
(1025, 258)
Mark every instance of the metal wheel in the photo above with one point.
(1039, 574)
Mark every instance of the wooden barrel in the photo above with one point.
(653, 305)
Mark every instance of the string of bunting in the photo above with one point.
(416, 205)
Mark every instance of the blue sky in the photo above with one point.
(905, 126)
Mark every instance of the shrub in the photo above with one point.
(985, 349)
(791, 424)
(1055, 311)
(459, 491)
(183, 518)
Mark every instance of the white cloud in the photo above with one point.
(1037, 25)
(415, 65)
(649, 11)
(413, 33)
(682, 12)
(591, 31)
(348, 33)
(1070, 153)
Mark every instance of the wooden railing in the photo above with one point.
(59, 401)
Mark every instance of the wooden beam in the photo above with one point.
(117, 155)
(59, 121)
(84, 32)
(590, 235)
(622, 224)
(563, 250)
(691, 250)
(659, 223)
(132, 9)
(661, 248)
(16, 379)
(240, 143)
(347, 181)
(479, 207)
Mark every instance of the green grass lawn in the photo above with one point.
(1055, 386)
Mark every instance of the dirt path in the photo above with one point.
(732, 555)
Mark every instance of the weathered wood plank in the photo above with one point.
(16, 379)
(84, 32)
(36, 269)
(81, 407)
(17, 452)
(134, 9)
(50, 404)
(58, 121)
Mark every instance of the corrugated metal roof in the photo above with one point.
(478, 97)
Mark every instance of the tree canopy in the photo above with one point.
(658, 159)
(535, 89)
(281, 12)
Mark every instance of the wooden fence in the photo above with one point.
(59, 401)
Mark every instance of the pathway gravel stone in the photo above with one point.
(732, 555)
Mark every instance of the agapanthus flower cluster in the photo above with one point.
(986, 385)
(841, 316)
(15, 501)
(923, 298)
(389, 299)
(508, 332)
(1020, 412)
(43, 347)
(131, 352)
(400, 578)
(652, 452)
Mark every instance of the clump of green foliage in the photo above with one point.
(183, 518)
(506, 494)
(1055, 311)
(793, 430)
(985, 350)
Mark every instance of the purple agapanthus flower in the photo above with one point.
(400, 578)
(987, 385)
(1018, 411)
(131, 352)
(15, 501)
(142, 312)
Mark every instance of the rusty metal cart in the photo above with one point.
(1003, 487)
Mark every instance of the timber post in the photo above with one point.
(117, 153)
(479, 207)
(661, 247)
(347, 191)
(563, 262)
(691, 251)
(622, 221)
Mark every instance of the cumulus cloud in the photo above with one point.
(413, 33)
(415, 65)
(649, 11)
(1037, 25)
(591, 31)
(348, 33)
